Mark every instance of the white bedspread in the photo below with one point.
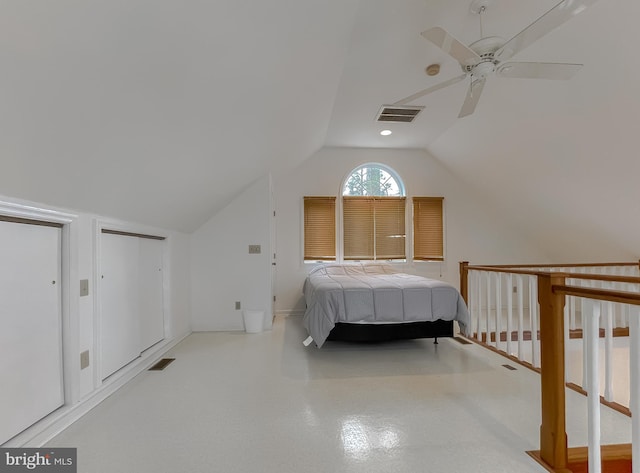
(376, 293)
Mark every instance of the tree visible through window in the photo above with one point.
(372, 180)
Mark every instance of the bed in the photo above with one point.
(372, 302)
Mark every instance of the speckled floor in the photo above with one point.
(236, 402)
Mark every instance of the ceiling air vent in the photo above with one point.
(397, 113)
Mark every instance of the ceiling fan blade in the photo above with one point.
(473, 95)
(560, 13)
(538, 70)
(424, 92)
(451, 45)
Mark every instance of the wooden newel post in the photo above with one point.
(464, 280)
(553, 434)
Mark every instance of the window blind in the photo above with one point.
(390, 231)
(374, 227)
(428, 229)
(357, 213)
(320, 228)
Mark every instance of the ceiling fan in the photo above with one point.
(490, 55)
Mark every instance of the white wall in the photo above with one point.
(81, 314)
(223, 271)
(473, 231)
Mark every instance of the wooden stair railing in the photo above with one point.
(554, 453)
(553, 433)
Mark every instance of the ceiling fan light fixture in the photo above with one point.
(483, 69)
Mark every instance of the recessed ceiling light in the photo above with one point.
(385, 132)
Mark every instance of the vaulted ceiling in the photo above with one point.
(160, 111)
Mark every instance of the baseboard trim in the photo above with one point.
(290, 313)
(44, 430)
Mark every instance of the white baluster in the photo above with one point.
(627, 311)
(584, 314)
(509, 313)
(634, 388)
(608, 351)
(489, 278)
(480, 304)
(479, 331)
(571, 302)
(579, 300)
(498, 309)
(520, 285)
(624, 315)
(618, 309)
(470, 298)
(471, 303)
(567, 337)
(591, 318)
(533, 314)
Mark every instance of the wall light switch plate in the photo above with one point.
(254, 249)
(84, 359)
(84, 287)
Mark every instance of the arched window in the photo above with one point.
(373, 180)
(373, 213)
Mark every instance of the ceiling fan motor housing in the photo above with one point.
(486, 49)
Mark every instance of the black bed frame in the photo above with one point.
(385, 332)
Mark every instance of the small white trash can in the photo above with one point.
(253, 320)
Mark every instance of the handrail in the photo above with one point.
(562, 265)
(507, 270)
(567, 274)
(599, 294)
(605, 277)
(513, 269)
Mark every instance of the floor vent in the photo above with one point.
(398, 113)
(464, 341)
(509, 367)
(162, 364)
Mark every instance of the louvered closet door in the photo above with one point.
(30, 325)
(119, 322)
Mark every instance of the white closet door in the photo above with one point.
(119, 321)
(151, 294)
(30, 325)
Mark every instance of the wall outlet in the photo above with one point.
(84, 359)
(515, 289)
(237, 305)
(255, 249)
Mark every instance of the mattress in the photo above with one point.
(376, 294)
